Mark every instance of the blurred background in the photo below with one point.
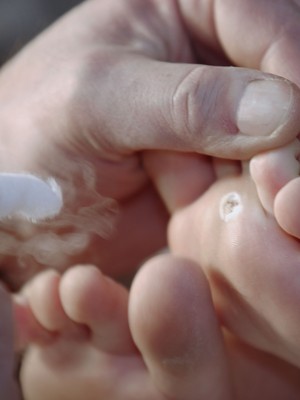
(21, 20)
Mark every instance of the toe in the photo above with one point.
(174, 325)
(272, 170)
(43, 297)
(90, 298)
(286, 208)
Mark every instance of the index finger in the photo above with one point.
(260, 34)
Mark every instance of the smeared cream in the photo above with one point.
(27, 196)
(230, 206)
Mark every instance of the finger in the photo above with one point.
(180, 178)
(129, 101)
(8, 384)
(140, 90)
(260, 34)
(175, 327)
(224, 112)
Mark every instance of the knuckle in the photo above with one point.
(193, 101)
(200, 107)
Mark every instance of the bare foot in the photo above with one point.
(244, 233)
(97, 354)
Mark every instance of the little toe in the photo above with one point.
(272, 170)
(90, 298)
(27, 328)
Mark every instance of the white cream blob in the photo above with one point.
(27, 196)
(230, 206)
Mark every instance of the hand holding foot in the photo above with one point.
(112, 79)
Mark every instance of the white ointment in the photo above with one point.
(230, 206)
(27, 196)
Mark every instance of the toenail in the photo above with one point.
(230, 206)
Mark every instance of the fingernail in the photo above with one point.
(264, 107)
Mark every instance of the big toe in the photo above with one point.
(175, 327)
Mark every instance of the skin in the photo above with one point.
(160, 341)
(78, 87)
(251, 261)
(63, 89)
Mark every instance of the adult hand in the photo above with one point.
(114, 78)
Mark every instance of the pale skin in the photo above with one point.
(253, 210)
(62, 88)
(76, 103)
(155, 340)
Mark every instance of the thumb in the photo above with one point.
(219, 111)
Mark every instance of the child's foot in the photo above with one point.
(94, 357)
(244, 233)
(88, 313)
